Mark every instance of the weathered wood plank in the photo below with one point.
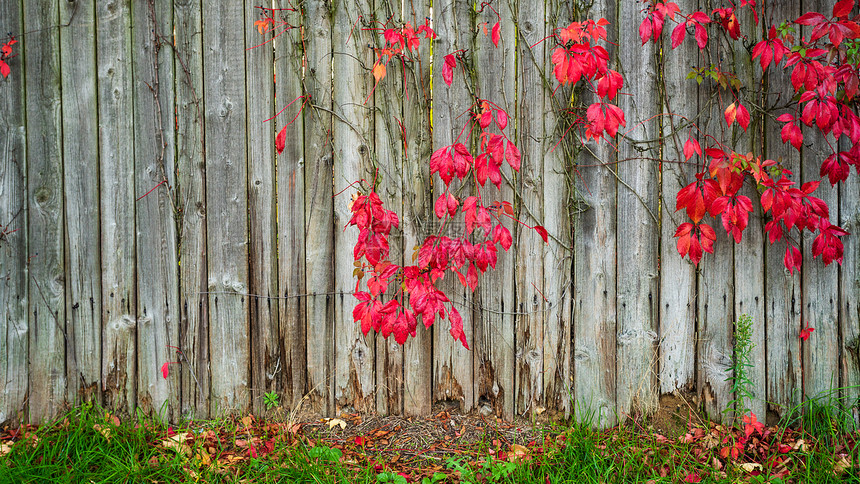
(319, 208)
(820, 284)
(191, 176)
(414, 179)
(716, 283)
(388, 102)
(354, 353)
(638, 230)
(849, 298)
(558, 257)
(749, 253)
(452, 364)
(782, 289)
(677, 367)
(227, 205)
(495, 70)
(595, 275)
(14, 297)
(116, 201)
(266, 361)
(291, 215)
(531, 306)
(81, 204)
(156, 244)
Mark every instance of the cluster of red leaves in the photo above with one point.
(6, 54)
(578, 56)
(401, 42)
(471, 254)
(825, 84)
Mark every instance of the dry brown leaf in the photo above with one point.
(336, 421)
(177, 443)
(247, 421)
(105, 431)
(5, 449)
(751, 467)
(518, 453)
(842, 465)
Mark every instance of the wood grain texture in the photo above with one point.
(14, 297)
(156, 242)
(782, 289)
(530, 349)
(83, 310)
(291, 215)
(495, 69)
(820, 284)
(387, 156)
(191, 177)
(415, 185)
(749, 253)
(319, 208)
(638, 240)
(354, 352)
(227, 205)
(266, 361)
(453, 370)
(849, 297)
(677, 368)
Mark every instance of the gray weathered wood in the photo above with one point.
(558, 256)
(820, 284)
(749, 253)
(291, 215)
(415, 185)
(191, 202)
(782, 289)
(266, 361)
(81, 203)
(638, 230)
(531, 306)
(13, 227)
(594, 276)
(849, 298)
(677, 275)
(319, 208)
(452, 364)
(156, 243)
(495, 70)
(388, 146)
(351, 137)
(227, 206)
(116, 202)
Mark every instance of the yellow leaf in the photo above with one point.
(378, 71)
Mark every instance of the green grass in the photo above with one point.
(87, 445)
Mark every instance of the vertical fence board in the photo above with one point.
(782, 289)
(83, 310)
(388, 100)
(557, 181)
(266, 361)
(116, 196)
(677, 274)
(638, 228)
(415, 185)
(157, 252)
(291, 212)
(595, 269)
(749, 253)
(849, 298)
(191, 202)
(354, 352)
(14, 297)
(495, 69)
(530, 112)
(319, 226)
(227, 205)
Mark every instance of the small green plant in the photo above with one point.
(324, 453)
(436, 477)
(737, 372)
(492, 470)
(272, 400)
(391, 477)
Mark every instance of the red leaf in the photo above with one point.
(731, 113)
(743, 116)
(4, 69)
(692, 146)
(843, 8)
(811, 18)
(164, 370)
(792, 259)
(701, 36)
(496, 34)
(448, 69)
(805, 332)
(693, 477)
(678, 34)
(281, 140)
(543, 233)
(501, 119)
(457, 327)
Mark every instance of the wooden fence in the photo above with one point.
(241, 261)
